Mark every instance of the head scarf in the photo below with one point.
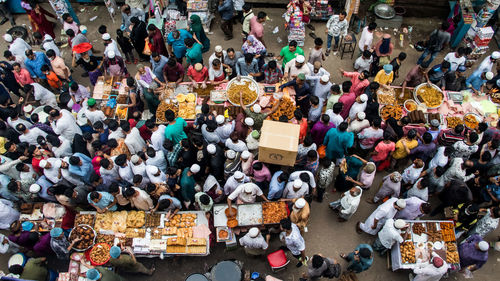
(384, 47)
(196, 25)
(210, 182)
(255, 48)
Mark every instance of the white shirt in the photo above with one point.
(112, 47)
(246, 197)
(31, 136)
(485, 66)
(213, 56)
(143, 83)
(14, 123)
(419, 193)
(334, 118)
(9, 247)
(7, 214)
(362, 64)
(411, 174)
(295, 242)
(126, 173)
(439, 159)
(454, 61)
(134, 141)
(290, 193)
(52, 174)
(238, 6)
(158, 138)
(389, 235)
(357, 126)
(111, 175)
(43, 95)
(292, 70)
(366, 39)
(428, 272)
(162, 178)
(118, 134)
(94, 116)
(253, 243)
(355, 108)
(142, 201)
(158, 161)
(412, 209)
(312, 74)
(48, 44)
(240, 146)
(349, 203)
(71, 178)
(64, 149)
(66, 126)
(140, 170)
(19, 47)
(295, 175)
(232, 184)
(225, 130)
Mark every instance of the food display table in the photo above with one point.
(110, 94)
(426, 237)
(44, 217)
(151, 235)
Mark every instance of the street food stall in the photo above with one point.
(427, 236)
(110, 94)
(41, 217)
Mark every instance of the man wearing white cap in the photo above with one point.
(256, 113)
(488, 63)
(155, 175)
(254, 243)
(224, 129)
(234, 181)
(18, 46)
(139, 168)
(477, 81)
(377, 219)
(321, 86)
(306, 176)
(296, 66)
(295, 189)
(473, 252)
(157, 159)
(110, 45)
(300, 213)
(219, 53)
(391, 233)
(216, 160)
(188, 184)
(358, 106)
(245, 193)
(51, 169)
(246, 162)
(359, 124)
(431, 271)
(232, 163)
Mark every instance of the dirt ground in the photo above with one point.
(326, 235)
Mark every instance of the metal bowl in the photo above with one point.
(384, 11)
(415, 95)
(253, 86)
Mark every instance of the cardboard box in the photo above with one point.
(278, 143)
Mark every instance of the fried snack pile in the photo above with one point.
(105, 238)
(184, 220)
(453, 121)
(287, 108)
(153, 220)
(430, 96)
(394, 111)
(452, 253)
(121, 113)
(176, 245)
(411, 105)
(273, 212)
(495, 97)
(223, 234)
(136, 219)
(418, 228)
(85, 233)
(187, 106)
(196, 245)
(84, 219)
(471, 121)
(162, 107)
(248, 95)
(407, 252)
(386, 96)
(434, 235)
(100, 253)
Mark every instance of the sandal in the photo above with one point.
(344, 256)
(358, 228)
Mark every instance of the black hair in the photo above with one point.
(20, 167)
(20, 127)
(337, 107)
(346, 86)
(261, 15)
(298, 114)
(284, 176)
(257, 166)
(367, 54)
(286, 224)
(129, 192)
(365, 253)
(7, 54)
(459, 128)
(412, 133)
(16, 269)
(204, 199)
(70, 32)
(137, 179)
(292, 43)
(445, 25)
(74, 160)
(50, 53)
(121, 159)
(325, 118)
(103, 29)
(308, 140)
(113, 187)
(94, 178)
(94, 195)
(317, 261)
(372, 25)
(169, 115)
(343, 126)
(272, 64)
(248, 58)
(283, 119)
(104, 163)
(445, 64)
(304, 177)
(189, 42)
(172, 62)
(318, 41)
(427, 137)
(402, 56)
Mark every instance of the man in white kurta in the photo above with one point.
(7, 214)
(348, 203)
(295, 189)
(134, 141)
(155, 175)
(433, 271)
(65, 125)
(415, 208)
(377, 219)
(254, 243)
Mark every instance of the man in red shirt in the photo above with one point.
(197, 74)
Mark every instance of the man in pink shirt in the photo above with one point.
(22, 75)
(359, 80)
(257, 27)
(58, 65)
(347, 99)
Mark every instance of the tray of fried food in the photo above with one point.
(408, 94)
(176, 245)
(156, 233)
(188, 217)
(452, 253)
(418, 228)
(187, 106)
(105, 238)
(135, 232)
(186, 232)
(453, 121)
(171, 230)
(153, 220)
(407, 250)
(430, 95)
(386, 96)
(434, 235)
(247, 86)
(119, 220)
(85, 219)
(286, 107)
(448, 235)
(395, 111)
(121, 112)
(472, 120)
(431, 226)
(163, 107)
(136, 219)
(196, 246)
(104, 221)
(273, 212)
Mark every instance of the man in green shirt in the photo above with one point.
(188, 183)
(127, 263)
(34, 269)
(175, 129)
(256, 112)
(289, 52)
(102, 274)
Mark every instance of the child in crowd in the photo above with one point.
(52, 78)
(317, 52)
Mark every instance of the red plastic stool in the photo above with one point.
(277, 260)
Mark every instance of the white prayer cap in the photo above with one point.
(253, 232)
(495, 55)
(245, 154)
(230, 154)
(300, 59)
(483, 246)
(106, 36)
(195, 168)
(8, 38)
(399, 223)
(300, 203)
(152, 169)
(489, 75)
(325, 78)
(248, 187)
(218, 48)
(58, 162)
(111, 54)
(134, 159)
(361, 115)
(256, 108)
(83, 29)
(43, 163)
(401, 203)
(220, 119)
(211, 148)
(238, 175)
(249, 121)
(297, 183)
(363, 98)
(35, 188)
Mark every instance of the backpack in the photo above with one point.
(434, 42)
(333, 270)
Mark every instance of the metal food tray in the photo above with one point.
(415, 95)
(254, 87)
(220, 218)
(478, 118)
(249, 214)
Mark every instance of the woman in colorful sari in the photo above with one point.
(40, 22)
(198, 33)
(253, 46)
(156, 41)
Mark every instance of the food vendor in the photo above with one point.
(390, 234)
(385, 76)
(415, 77)
(432, 271)
(473, 253)
(247, 66)
(102, 274)
(169, 204)
(302, 92)
(300, 213)
(60, 244)
(216, 73)
(125, 261)
(245, 193)
(454, 80)
(254, 243)
(173, 71)
(198, 74)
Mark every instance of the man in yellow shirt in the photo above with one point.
(385, 76)
(403, 148)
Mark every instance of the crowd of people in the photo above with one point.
(101, 164)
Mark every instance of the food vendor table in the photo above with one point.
(108, 88)
(43, 216)
(423, 244)
(153, 231)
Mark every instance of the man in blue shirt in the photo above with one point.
(34, 63)
(175, 40)
(157, 63)
(247, 66)
(102, 201)
(81, 165)
(476, 81)
(226, 11)
(277, 185)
